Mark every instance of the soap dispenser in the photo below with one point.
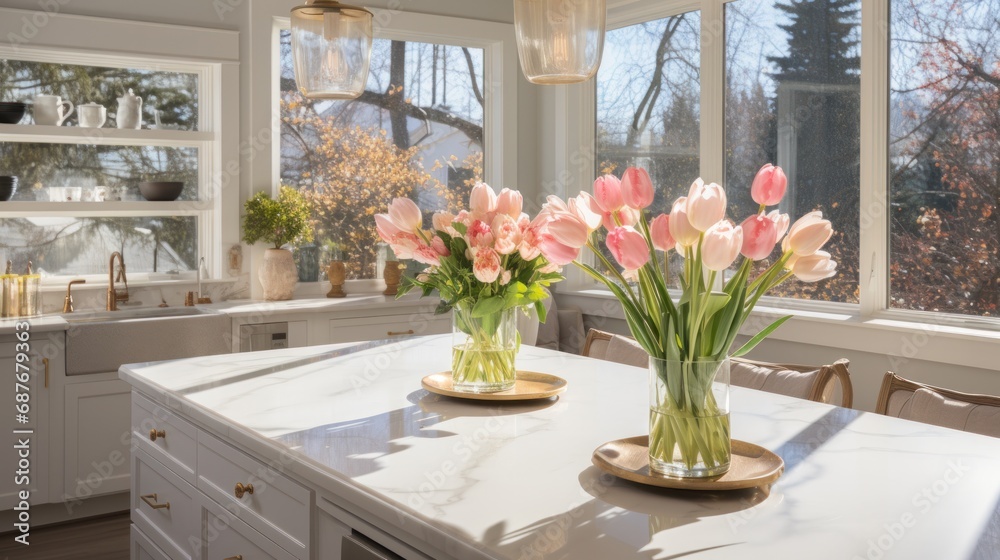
(31, 288)
(11, 292)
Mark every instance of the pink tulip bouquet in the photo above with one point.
(485, 263)
(689, 340)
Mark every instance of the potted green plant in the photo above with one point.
(278, 223)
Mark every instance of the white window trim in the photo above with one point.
(499, 116)
(213, 54)
(813, 320)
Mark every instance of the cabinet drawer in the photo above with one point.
(229, 539)
(391, 326)
(169, 439)
(277, 507)
(142, 548)
(175, 528)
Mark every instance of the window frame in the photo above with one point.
(210, 53)
(573, 139)
(500, 78)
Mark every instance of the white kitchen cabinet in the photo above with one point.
(388, 327)
(97, 433)
(44, 363)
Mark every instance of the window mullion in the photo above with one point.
(713, 83)
(874, 227)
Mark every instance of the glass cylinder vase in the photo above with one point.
(689, 418)
(483, 350)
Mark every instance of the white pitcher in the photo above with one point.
(129, 113)
(51, 110)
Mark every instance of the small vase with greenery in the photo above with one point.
(277, 222)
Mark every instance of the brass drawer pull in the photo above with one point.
(237, 557)
(154, 433)
(46, 362)
(150, 500)
(240, 490)
(399, 333)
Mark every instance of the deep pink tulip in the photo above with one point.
(637, 188)
(760, 234)
(721, 245)
(628, 247)
(659, 230)
(769, 185)
(608, 192)
(706, 205)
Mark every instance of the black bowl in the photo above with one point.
(12, 113)
(8, 186)
(161, 191)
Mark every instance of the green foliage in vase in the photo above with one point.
(277, 222)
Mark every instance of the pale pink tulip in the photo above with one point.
(479, 234)
(814, 267)
(555, 252)
(608, 193)
(769, 185)
(506, 234)
(405, 214)
(759, 237)
(706, 205)
(628, 247)
(781, 222)
(637, 188)
(659, 230)
(809, 233)
(405, 244)
(442, 221)
(486, 265)
(721, 245)
(482, 200)
(680, 228)
(509, 202)
(505, 278)
(583, 206)
(567, 229)
(386, 228)
(439, 247)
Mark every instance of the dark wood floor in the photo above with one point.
(102, 538)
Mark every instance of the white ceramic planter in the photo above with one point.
(278, 275)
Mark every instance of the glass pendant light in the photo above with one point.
(332, 47)
(559, 41)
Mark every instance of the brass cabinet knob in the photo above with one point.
(241, 489)
(154, 433)
(237, 557)
(150, 500)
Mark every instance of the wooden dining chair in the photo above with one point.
(615, 348)
(911, 400)
(814, 383)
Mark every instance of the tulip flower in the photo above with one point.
(760, 234)
(808, 234)
(555, 252)
(608, 192)
(815, 267)
(506, 234)
(706, 204)
(583, 206)
(680, 228)
(386, 228)
(567, 229)
(628, 247)
(659, 230)
(721, 245)
(509, 202)
(405, 214)
(480, 234)
(427, 255)
(781, 222)
(442, 221)
(531, 238)
(637, 188)
(486, 265)
(439, 247)
(769, 185)
(482, 200)
(405, 245)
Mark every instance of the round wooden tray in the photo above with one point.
(528, 386)
(751, 466)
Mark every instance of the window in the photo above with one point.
(793, 99)
(417, 131)
(944, 157)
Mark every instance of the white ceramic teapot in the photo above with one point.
(129, 113)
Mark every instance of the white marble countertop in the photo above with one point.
(476, 480)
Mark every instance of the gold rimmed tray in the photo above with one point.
(752, 466)
(529, 385)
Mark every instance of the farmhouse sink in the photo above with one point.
(100, 342)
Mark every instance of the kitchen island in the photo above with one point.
(307, 452)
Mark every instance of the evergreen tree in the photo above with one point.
(822, 45)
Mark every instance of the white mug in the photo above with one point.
(91, 115)
(51, 110)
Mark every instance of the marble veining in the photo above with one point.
(482, 480)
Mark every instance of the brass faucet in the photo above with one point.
(68, 302)
(114, 296)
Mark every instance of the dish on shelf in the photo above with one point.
(11, 112)
(161, 191)
(8, 186)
